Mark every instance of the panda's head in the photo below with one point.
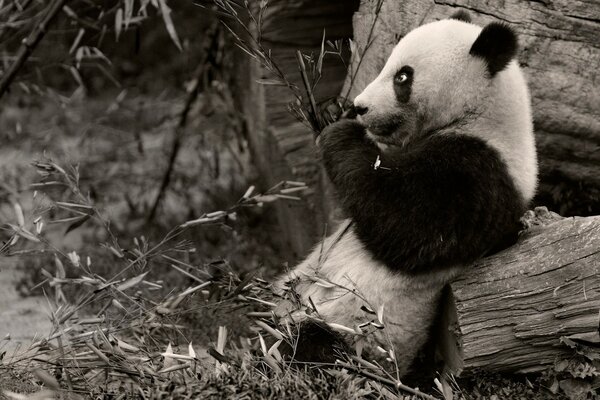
(440, 74)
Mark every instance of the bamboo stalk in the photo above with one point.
(385, 381)
(177, 140)
(29, 44)
(313, 104)
(194, 91)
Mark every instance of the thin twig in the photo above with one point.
(12, 16)
(313, 104)
(378, 8)
(29, 44)
(385, 381)
(177, 140)
(180, 129)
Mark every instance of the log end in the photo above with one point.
(514, 310)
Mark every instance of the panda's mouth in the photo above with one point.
(385, 128)
(396, 129)
(387, 135)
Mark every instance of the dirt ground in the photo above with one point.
(22, 319)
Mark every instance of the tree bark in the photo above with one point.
(513, 308)
(282, 147)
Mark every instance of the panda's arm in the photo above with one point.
(445, 201)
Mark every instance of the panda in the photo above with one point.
(434, 173)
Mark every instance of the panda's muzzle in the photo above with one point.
(360, 110)
(384, 127)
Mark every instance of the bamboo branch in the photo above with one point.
(397, 385)
(313, 104)
(12, 16)
(193, 92)
(177, 140)
(370, 39)
(29, 44)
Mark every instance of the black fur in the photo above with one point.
(317, 343)
(360, 110)
(461, 15)
(403, 89)
(497, 45)
(439, 201)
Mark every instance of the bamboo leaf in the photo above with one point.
(128, 12)
(77, 40)
(79, 56)
(118, 23)
(24, 233)
(271, 82)
(132, 282)
(191, 351)
(321, 55)
(48, 380)
(60, 268)
(19, 214)
(268, 198)
(76, 76)
(166, 14)
(77, 224)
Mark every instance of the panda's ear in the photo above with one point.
(461, 15)
(497, 45)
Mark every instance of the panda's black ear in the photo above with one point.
(497, 45)
(461, 15)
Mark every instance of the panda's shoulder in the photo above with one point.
(461, 149)
(462, 159)
(457, 141)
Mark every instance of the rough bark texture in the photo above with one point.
(282, 146)
(560, 54)
(513, 308)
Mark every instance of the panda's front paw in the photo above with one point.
(342, 128)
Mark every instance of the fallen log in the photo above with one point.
(513, 311)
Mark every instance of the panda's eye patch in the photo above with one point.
(403, 83)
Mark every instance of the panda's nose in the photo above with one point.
(360, 110)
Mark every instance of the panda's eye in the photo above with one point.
(401, 78)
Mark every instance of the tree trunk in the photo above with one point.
(513, 308)
(282, 147)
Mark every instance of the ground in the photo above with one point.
(25, 319)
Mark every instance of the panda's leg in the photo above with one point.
(316, 259)
(344, 281)
(316, 342)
